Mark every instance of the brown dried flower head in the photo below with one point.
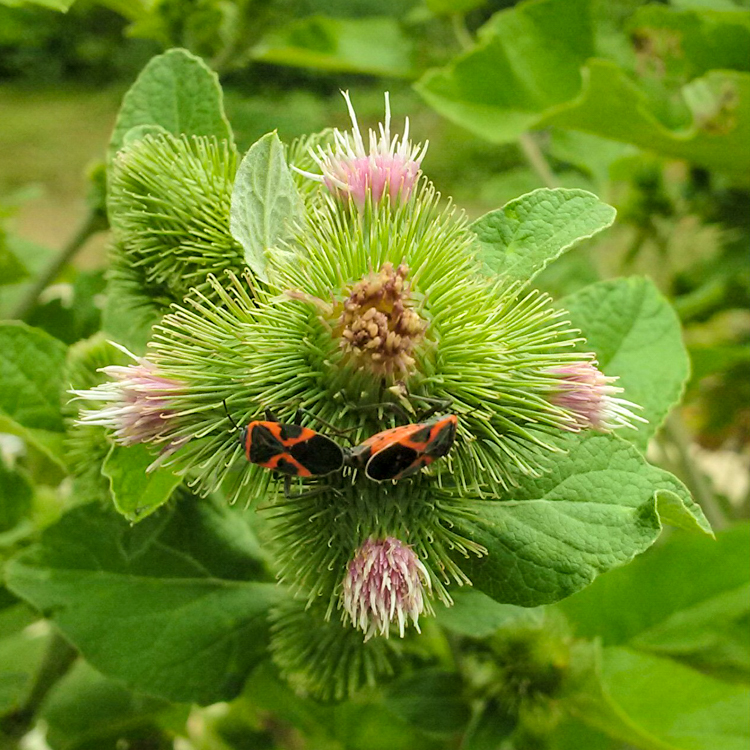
(379, 328)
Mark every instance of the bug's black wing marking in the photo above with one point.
(286, 467)
(263, 445)
(422, 435)
(319, 455)
(290, 431)
(390, 462)
(443, 441)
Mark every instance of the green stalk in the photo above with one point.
(537, 160)
(92, 224)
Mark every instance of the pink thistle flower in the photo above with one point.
(138, 405)
(591, 397)
(385, 583)
(392, 164)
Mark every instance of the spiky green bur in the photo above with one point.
(324, 658)
(487, 347)
(169, 201)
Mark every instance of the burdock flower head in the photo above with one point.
(138, 404)
(591, 396)
(378, 325)
(388, 165)
(372, 308)
(385, 584)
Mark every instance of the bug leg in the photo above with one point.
(436, 405)
(331, 428)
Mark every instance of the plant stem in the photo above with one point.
(92, 224)
(463, 36)
(537, 160)
(57, 661)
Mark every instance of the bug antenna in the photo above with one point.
(229, 416)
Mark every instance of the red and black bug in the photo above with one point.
(290, 449)
(403, 451)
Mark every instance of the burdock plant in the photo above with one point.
(358, 300)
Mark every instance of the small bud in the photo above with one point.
(591, 397)
(350, 171)
(377, 325)
(384, 584)
(138, 409)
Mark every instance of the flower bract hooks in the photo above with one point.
(374, 304)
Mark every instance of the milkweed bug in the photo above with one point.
(403, 451)
(290, 449)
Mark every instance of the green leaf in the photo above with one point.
(376, 46)
(22, 647)
(86, 710)
(31, 367)
(31, 364)
(15, 497)
(12, 270)
(541, 52)
(429, 700)
(264, 201)
(595, 509)
(61, 5)
(186, 618)
(636, 336)
(657, 704)
(522, 238)
(526, 59)
(176, 91)
(612, 106)
(648, 606)
(476, 615)
(696, 40)
(137, 493)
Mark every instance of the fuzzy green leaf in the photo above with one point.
(376, 46)
(476, 615)
(520, 239)
(647, 605)
(658, 704)
(636, 335)
(186, 618)
(264, 201)
(596, 508)
(535, 50)
(31, 366)
(176, 91)
(542, 52)
(86, 710)
(137, 493)
(610, 105)
(15, 497)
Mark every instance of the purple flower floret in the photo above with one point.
(591, 397)
(350, 170)
(138, 404)
(385, 583)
